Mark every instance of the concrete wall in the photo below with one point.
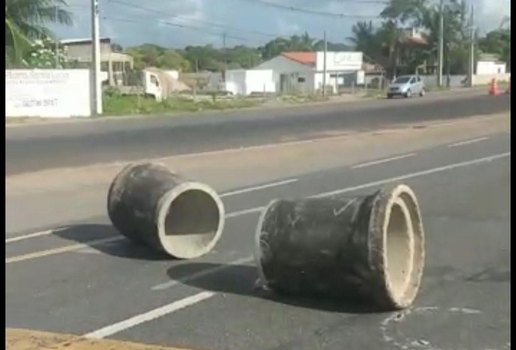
(82, 52)
(455, 80)
(47, 93)
(483, 79)
(259, 81)
(246, 82)
(490, 67)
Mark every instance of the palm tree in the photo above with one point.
(364, 37)
(26, 20)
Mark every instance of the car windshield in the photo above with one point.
(402, 80)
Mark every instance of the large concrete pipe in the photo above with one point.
(368, 247)
(149, 204)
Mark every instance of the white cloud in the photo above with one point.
(490, 13)
(286, 27)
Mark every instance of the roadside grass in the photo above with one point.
(117, 104)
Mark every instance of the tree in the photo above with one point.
(171, 59)
(364, 38)
(26, 21)
(405, 12)
(42, 54)
(498, 42)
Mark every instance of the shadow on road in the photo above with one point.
(90, 234)
(241, 280)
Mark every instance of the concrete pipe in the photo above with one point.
(367, 247)
(151, 205)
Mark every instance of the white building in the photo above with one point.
(304, 71)
(246, 82)
(489, 64)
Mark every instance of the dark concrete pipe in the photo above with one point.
(149, 204)
(367, 247)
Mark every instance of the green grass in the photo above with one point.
(116, 104)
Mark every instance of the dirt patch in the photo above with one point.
(24, 339)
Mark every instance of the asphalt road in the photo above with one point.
(211, 303)
(38, 147)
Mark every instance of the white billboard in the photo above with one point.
(47, 93)
(340, 61)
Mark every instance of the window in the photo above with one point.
(301, 80)
(401, 80)
(154, 80)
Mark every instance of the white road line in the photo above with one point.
(256, 188)
(381, 161)
(197, 298)
(87, 244)
(468, 142)
(259, 209)
(149, 316)
(60, 250)
(31, 235)
(226, 194)
(207, 272)
(243, 212)
(413, 175)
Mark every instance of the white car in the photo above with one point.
(406, 86)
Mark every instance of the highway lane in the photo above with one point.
(31, 148)
(464, 303)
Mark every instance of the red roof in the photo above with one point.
(307, 58)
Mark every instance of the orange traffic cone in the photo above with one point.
(493, 88)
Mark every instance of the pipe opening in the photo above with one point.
(399, 249)
(192, 224)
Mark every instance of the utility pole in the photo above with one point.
(471, 70)
(56, 14)
(324, 65)
(95, 59)
(440, 49)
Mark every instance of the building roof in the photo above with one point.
(82, 41)
(489, 57)
(308, 58)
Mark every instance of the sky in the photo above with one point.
(248, 22)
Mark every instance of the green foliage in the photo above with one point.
(117, 104)
(209, 58)
(42, 54)
(498, 42)
(384, 44)
(26, 21)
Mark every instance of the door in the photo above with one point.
(283, 82)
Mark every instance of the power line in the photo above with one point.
(320, 13)
(183, 26)
(215, 24)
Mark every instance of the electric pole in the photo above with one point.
(324, 64)
(95, 59)
(441, 46)
(471, 70)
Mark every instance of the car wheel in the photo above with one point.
(422, 93)
(408, 93)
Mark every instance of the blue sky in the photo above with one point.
(130, 25)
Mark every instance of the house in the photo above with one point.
(304, 71)
(113, 64)
(490, 64)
